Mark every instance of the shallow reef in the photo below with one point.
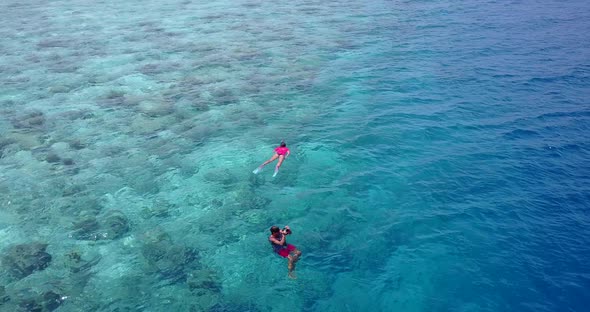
(23, 260)
(108, 226)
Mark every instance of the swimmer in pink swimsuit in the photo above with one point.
(281, 152)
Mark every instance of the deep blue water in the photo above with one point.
(440, 154)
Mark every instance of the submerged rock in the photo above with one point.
(200, 298)
(248, 199)
(86, 229)
(68, 161)
(52, 158)
(147, 125)
(3, 296)
(77, 144)
(24, 140)
(4, 143)
(203, 281)
(115, 225)
(45, 302)
(76, 202)
(59, 89)
(144, 182)
(154, 108)
(172, 261)
(217, 203)
(22, 260)
(255, 217)
(112, 98)
(30, 120)
(51, 300)
(224, 96)
(198, 134)
(160, 209)
(77, 263)
(223, 176)
(73, 189)
(200, 105)
(77, 114)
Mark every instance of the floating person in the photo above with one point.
(278, 240)
(281, 152)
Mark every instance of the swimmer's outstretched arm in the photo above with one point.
(279, 242)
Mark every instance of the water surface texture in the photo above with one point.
(439, 155)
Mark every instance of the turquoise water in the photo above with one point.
(439, 155)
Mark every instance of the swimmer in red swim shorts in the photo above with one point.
(281, 152)
(278, 240)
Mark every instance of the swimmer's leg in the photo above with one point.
(281, 159)
(297, 253)
(273, 158)
(291, 267)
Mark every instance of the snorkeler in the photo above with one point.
(278, 240)
(281, 152)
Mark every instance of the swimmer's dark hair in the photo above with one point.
(283, 144)
(274, 229)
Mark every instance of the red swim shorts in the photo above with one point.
(286, 251)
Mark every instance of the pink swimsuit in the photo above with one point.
(282, 150)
